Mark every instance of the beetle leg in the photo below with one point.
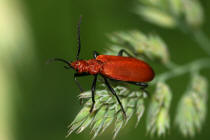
(114, 93)
(78, 84)
(142, 84)
(124, 51)
(95, 54)
(93, 92)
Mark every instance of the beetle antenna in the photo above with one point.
(57, 59)
(78, 37)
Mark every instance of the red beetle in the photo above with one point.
(121, 68)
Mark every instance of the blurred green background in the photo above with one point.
(39, 101)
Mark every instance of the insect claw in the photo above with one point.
(91, 109)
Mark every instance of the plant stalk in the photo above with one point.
(202, 40)
(180, 70)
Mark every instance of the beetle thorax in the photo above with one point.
(91, 66)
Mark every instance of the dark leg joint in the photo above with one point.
(141, 84)
(114, 93)
(124, 51)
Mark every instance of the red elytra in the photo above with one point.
(120, 68)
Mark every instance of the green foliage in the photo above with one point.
(156, 16)
(107, 111)
(192, 108)
(158, 112)
(139, 44)
(169, 13)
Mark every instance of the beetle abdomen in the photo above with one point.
(125, 68)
